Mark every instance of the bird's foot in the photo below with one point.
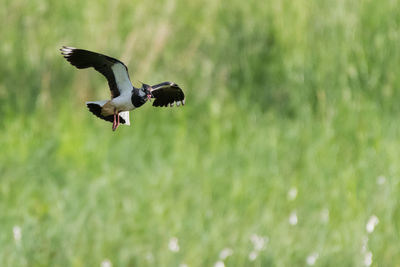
(115, 126)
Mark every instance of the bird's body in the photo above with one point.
(124, 96)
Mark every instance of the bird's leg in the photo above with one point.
(116, 120)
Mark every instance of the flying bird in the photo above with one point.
(124, 96)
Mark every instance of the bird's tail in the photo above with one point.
(98, 109)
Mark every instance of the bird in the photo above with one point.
(124, 96)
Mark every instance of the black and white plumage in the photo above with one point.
(124, 96)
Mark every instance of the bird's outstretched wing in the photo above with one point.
(114, 70)
(167, 93)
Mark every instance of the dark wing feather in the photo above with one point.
(82, 59)
(167, 93)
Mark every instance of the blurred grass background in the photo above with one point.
(290, 134)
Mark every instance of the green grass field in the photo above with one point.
(287, 152)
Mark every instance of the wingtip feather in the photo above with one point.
(66, 50)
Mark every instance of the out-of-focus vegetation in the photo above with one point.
(286, 154)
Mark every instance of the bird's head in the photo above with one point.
(147, 90)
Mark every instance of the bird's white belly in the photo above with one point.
(122, 102)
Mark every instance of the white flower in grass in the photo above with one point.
(368, 258)
(17, 233)
(380, 180)
(106, 263)
(365, 252)
(259, 242)
(173, 244)
(292, 194)
(372, 222)
(219, 264)
(312, 258)
(253, 255)
(225, 253)
(293, 218)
